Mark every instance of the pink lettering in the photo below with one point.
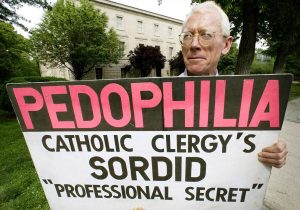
(270, 97)
(187, 105)
(204, 103)
(24, 107)
(75, 90)
(140, 104)
(48, 92)
(219, 120)
(125, 105)
(246, 102)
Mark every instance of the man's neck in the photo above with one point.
(212, 73)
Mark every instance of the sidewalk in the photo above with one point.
(284, 186)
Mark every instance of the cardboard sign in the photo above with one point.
(154, 143)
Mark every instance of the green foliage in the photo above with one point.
(177, 65)
(295, 91)
(14, 54)
(145, 58)
(227, 62)
(283, 32)
(259, 67)
(77, 36)
(19, 184)
(8, 10)
(5, 103)
(293, 65)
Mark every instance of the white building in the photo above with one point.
(133, 26)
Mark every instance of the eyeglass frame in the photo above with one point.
(200, 37)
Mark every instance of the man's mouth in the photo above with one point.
(196, 58)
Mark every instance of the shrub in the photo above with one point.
(5, 103)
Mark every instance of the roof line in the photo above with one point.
(141, 11)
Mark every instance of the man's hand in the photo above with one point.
(274, 155)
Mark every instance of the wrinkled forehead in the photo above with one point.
(206, 20)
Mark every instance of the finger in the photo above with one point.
(274, 155)
(279, 146)
(273, 162)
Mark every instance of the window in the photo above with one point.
(119, 23)
(123, 45)
(140, 26)
(156, 29)
(170, 31)
(98, 73)
(170, 52)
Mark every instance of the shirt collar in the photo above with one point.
(184, 74)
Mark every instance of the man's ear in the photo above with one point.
(227, 46)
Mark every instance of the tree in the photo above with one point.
(247, 17)
(283, 31)
(145, 58)
(76, 37)
(14, 54)
(227, 62)
(177, 65)
(8, 10)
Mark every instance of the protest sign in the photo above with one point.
(154, 143)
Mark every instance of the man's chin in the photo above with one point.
(197, 71)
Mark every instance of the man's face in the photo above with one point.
(203, 58)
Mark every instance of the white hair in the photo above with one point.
(211, 6)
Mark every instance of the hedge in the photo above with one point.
(5, 103)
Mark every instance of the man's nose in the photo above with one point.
(195, 42)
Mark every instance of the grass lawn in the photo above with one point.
(295, 91)
(19, 184)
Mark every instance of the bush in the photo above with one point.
(5, 103)
(259, 67)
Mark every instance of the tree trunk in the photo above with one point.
(248, 39)
(281, 55)
(158, 72)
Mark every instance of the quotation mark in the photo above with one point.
(239, 135)
(47, 181)
(257, 186)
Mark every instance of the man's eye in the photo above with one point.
(206, 35)
(187, 36)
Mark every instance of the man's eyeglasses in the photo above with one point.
(204, 38)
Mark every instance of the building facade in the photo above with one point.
(134, 27)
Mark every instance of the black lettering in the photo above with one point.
(70, 190)
(221, 192)
(94, 163)
(59, 189)
(123, 145)
(112, 171)
(60, 144)
(44, 139)
(202, 172)
(194, 141)
(80, 191)
(232, 195)
(249, 143)
(187, 191)
(84, 142)
(153, 143)
(94, 140)
(213, 145)
(224, 142)
(180, 143)
(156, 167)
(140, 169)
(244, 192)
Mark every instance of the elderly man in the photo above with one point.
(205, 38)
